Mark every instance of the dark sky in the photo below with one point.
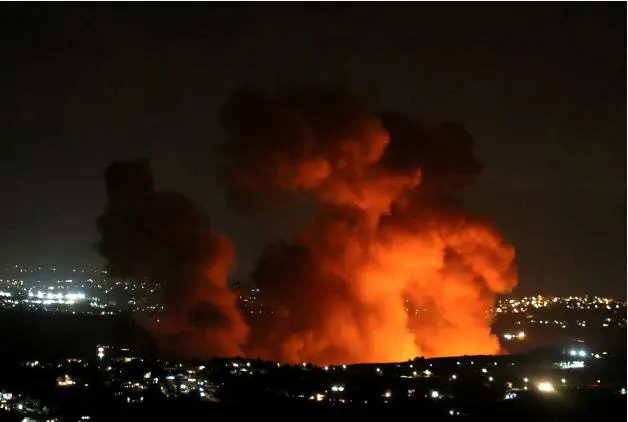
(540, 86)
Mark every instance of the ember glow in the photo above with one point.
(387, 234)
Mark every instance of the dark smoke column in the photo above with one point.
(163, 236)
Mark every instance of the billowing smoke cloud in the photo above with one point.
(389, 268)
(163, 236)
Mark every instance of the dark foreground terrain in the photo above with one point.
(48, 335)
(533, 409)
(478, 395)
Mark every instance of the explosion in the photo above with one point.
(389, 268)
(163, 236)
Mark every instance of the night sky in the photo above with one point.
(541, 87)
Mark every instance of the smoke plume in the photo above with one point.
(163, 236)
(389, 268)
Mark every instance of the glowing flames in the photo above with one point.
(378, 237)
(387, 235)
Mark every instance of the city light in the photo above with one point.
(512, 336)
(65, 381)
(578, 364)
(545, 387)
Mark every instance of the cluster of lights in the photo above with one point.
(518, 336)
(49, 289)
(580, 353)
(526, 304)
(65, 381)
(578, 364)
(50, 295)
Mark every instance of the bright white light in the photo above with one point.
(582, 353)
(73, 296)
(573, 352)
(434, 394)
(484, 371)
(563, 380)
(525, 379)
(546, 387)
(490, 379)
